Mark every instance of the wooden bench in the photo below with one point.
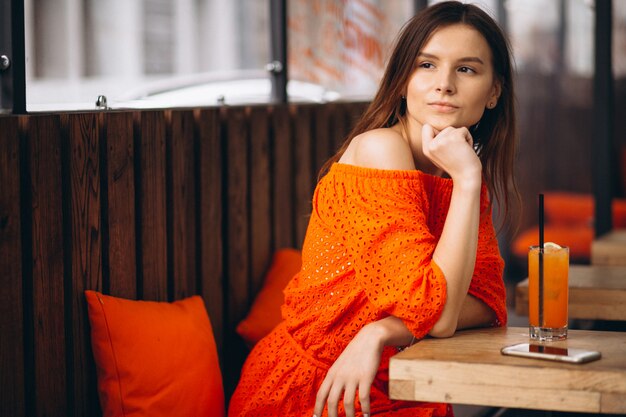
(154, 205)
(609, 249)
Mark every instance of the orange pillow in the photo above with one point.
(577, 238)
(565, 208)
(265, 313)
(155, 358)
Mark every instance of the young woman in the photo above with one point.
(400, 245)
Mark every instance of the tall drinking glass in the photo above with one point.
(547, 303)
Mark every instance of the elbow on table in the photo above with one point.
(443, 329)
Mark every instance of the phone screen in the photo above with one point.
(547, 349)
(530, 350)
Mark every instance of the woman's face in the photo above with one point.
(454, 81)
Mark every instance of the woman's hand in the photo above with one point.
(354, 370)
(452, 151)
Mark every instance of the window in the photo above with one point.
(77, 50)
(151, 53)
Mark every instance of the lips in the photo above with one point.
(443, 106)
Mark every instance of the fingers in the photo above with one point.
(322, 395)
(428, 134)
(348, 400)
(364, 398)
(333, 400)
(331, 393)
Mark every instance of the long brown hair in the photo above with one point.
(495, 135)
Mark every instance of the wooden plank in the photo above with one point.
(11, 313)
(340, 124)
(323, 143)
(260, 198)
(86, 252)
(48, 252)
(595, 293)
(237, 247)
(284, 236)
(210, 189)
(120, 203)
(238, 257)
(609, 249)
(303, 175)
(151, 202)
(182, 203)
(469, 369)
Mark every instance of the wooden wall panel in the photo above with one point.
(339, 124)
(237, 216)
(11, 313)
(237, 240)
(283, 213)
(151, 202)
(182, 205)
(48, 298)
(260, 197)
(303, 167)
(323, 142)
(120, 205)
(210, 193)
(86, 251)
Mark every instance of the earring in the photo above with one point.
(491, 105)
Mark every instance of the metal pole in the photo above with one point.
(602, 142)
(12, 57)
(419, 5)
(278, 65)
(501, 15)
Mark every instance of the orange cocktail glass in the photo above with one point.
(555, 292)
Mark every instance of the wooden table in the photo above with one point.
(469, 369)
(609, 249)
(595, 292)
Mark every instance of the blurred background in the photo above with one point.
(164, 53)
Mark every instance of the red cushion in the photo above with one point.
(577, 238)
(155, 358)
(265, 313)
(564, 208)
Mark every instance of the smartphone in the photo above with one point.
(552, 353)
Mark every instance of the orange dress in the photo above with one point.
(367, 254)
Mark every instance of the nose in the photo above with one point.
(445, 82)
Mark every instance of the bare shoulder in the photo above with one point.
(379, 148)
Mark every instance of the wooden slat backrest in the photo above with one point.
(182, 205)
(47, 268)
(260, 196)
(84, 194)
(304, 173)
(153, 205)
(210, 176)
(282, 190)
(119, 213)
(11, 310)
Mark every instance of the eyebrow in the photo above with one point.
(464, 59)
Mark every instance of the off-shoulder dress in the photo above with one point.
(367, 254)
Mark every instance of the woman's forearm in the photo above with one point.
(455, 253)
(391, 331)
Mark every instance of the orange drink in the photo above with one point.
(551, 323)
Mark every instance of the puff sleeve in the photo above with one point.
(487, 283)
(380, 216)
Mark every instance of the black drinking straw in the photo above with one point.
(541, 324)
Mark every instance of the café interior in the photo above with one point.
(156, 150)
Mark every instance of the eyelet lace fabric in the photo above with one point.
(367, 254)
